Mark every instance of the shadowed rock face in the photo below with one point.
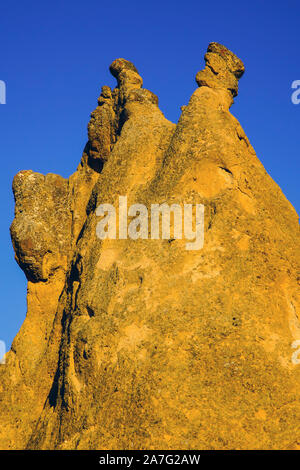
(141, 344)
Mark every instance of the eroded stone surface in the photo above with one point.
(143, 344)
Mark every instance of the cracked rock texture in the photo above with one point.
(141, 344)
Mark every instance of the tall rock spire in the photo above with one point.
(141, 344)
(222, 71)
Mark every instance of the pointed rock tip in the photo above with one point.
(234, 64)
(125, 73)
(119, 65)
(222, 71)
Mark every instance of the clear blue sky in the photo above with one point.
(54, 60)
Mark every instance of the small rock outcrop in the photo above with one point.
(142, 344)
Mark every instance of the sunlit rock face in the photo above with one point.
(142, 344)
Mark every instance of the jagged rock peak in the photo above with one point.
(126, 73)
(114, 108)
(222, 71)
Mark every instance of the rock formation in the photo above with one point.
(141, 344)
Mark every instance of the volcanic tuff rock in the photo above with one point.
(141, 344)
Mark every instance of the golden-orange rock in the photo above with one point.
(142, 344)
